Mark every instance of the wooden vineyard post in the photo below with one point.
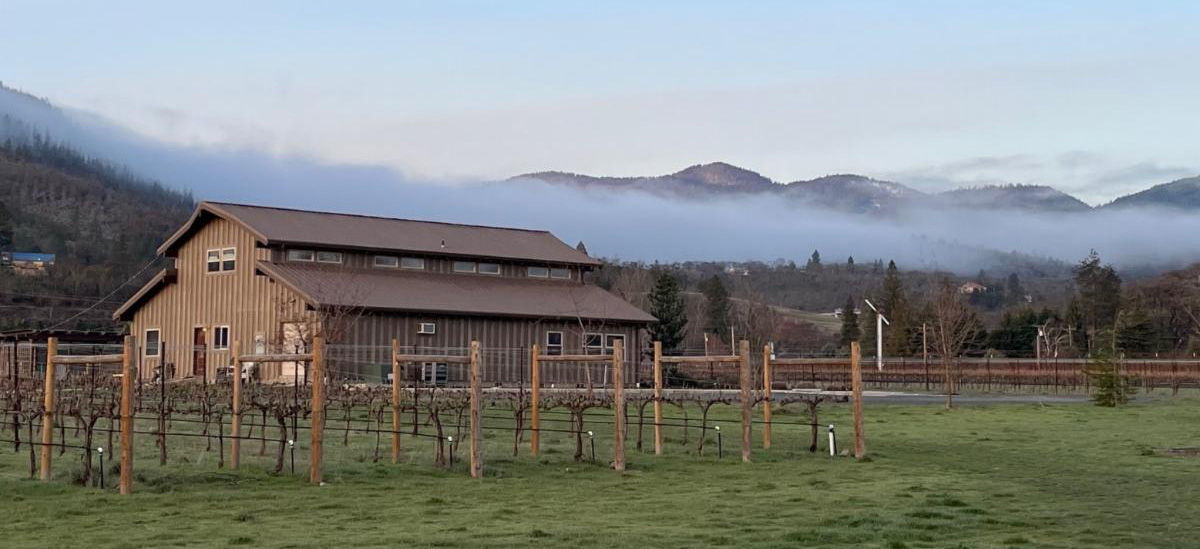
(535, 402)
(744, 371)
(618, 405)
(860, 445)
(476, 420)
(658, 388)
(318, 409)
(395, 401)
(766, 397)
(126, 481)
(235, 421)
(48, 407)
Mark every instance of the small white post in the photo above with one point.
(832, 442)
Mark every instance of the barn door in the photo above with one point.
(200, 352)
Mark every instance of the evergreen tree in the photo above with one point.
(814, 261)
(894, 304)
(1098, 295)
(1014, 292)
(581, 247)
(1138, 333)
(666, 304)
(6, 227)
(850, 264)
(716, 311)
(1112, 389)
(850, 328)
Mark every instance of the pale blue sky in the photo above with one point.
(1097, 98)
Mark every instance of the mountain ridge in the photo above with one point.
(863, 194)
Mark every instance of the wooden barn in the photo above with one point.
(272, 278)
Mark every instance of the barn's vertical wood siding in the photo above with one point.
(247, 303)
(506, 344)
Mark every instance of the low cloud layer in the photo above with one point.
(639, 226)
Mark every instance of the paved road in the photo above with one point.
(890, 397)
(882, 397)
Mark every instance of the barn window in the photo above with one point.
(560, 273)
(220, 260)
(300, 255)
(329, 257)
(489, 268)
(537, 272)
(427, 328)
(151, 346)
(415, 263)
(220, 338)
(464, 266)
(593, 344)
(554, 343)
(387, 261)
(610, 339)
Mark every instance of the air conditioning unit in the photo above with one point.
(427, 328)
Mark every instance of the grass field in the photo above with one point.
(1002, 476)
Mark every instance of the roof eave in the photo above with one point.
(147, 291)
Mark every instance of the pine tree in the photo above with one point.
(1104, 371)
(850, 264)
(716, 311)
(1098, 295)
(581, 247)
(850, 328)
(666, 304)
(894, 304)
(1014, 291)
(814, 261)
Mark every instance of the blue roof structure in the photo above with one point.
(27, 256)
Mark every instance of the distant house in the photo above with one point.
(26, 263)
(971, 288)
(271, 278)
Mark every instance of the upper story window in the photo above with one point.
(537, 272)
(412, 263)
(387, 261)
(301, 255)
(489, 268)
(464, 266)
(560, 273)
(329, 257)
(221, 260)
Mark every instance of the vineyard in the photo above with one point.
(78, 416)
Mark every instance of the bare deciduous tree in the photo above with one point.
(954, 327)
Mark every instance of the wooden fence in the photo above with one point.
(989, 374)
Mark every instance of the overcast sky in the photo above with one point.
(1096, 98)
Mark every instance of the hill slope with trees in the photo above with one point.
(102, 223)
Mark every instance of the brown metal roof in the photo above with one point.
(458, 294)
(346, 231)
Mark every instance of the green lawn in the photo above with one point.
(1001, 476)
